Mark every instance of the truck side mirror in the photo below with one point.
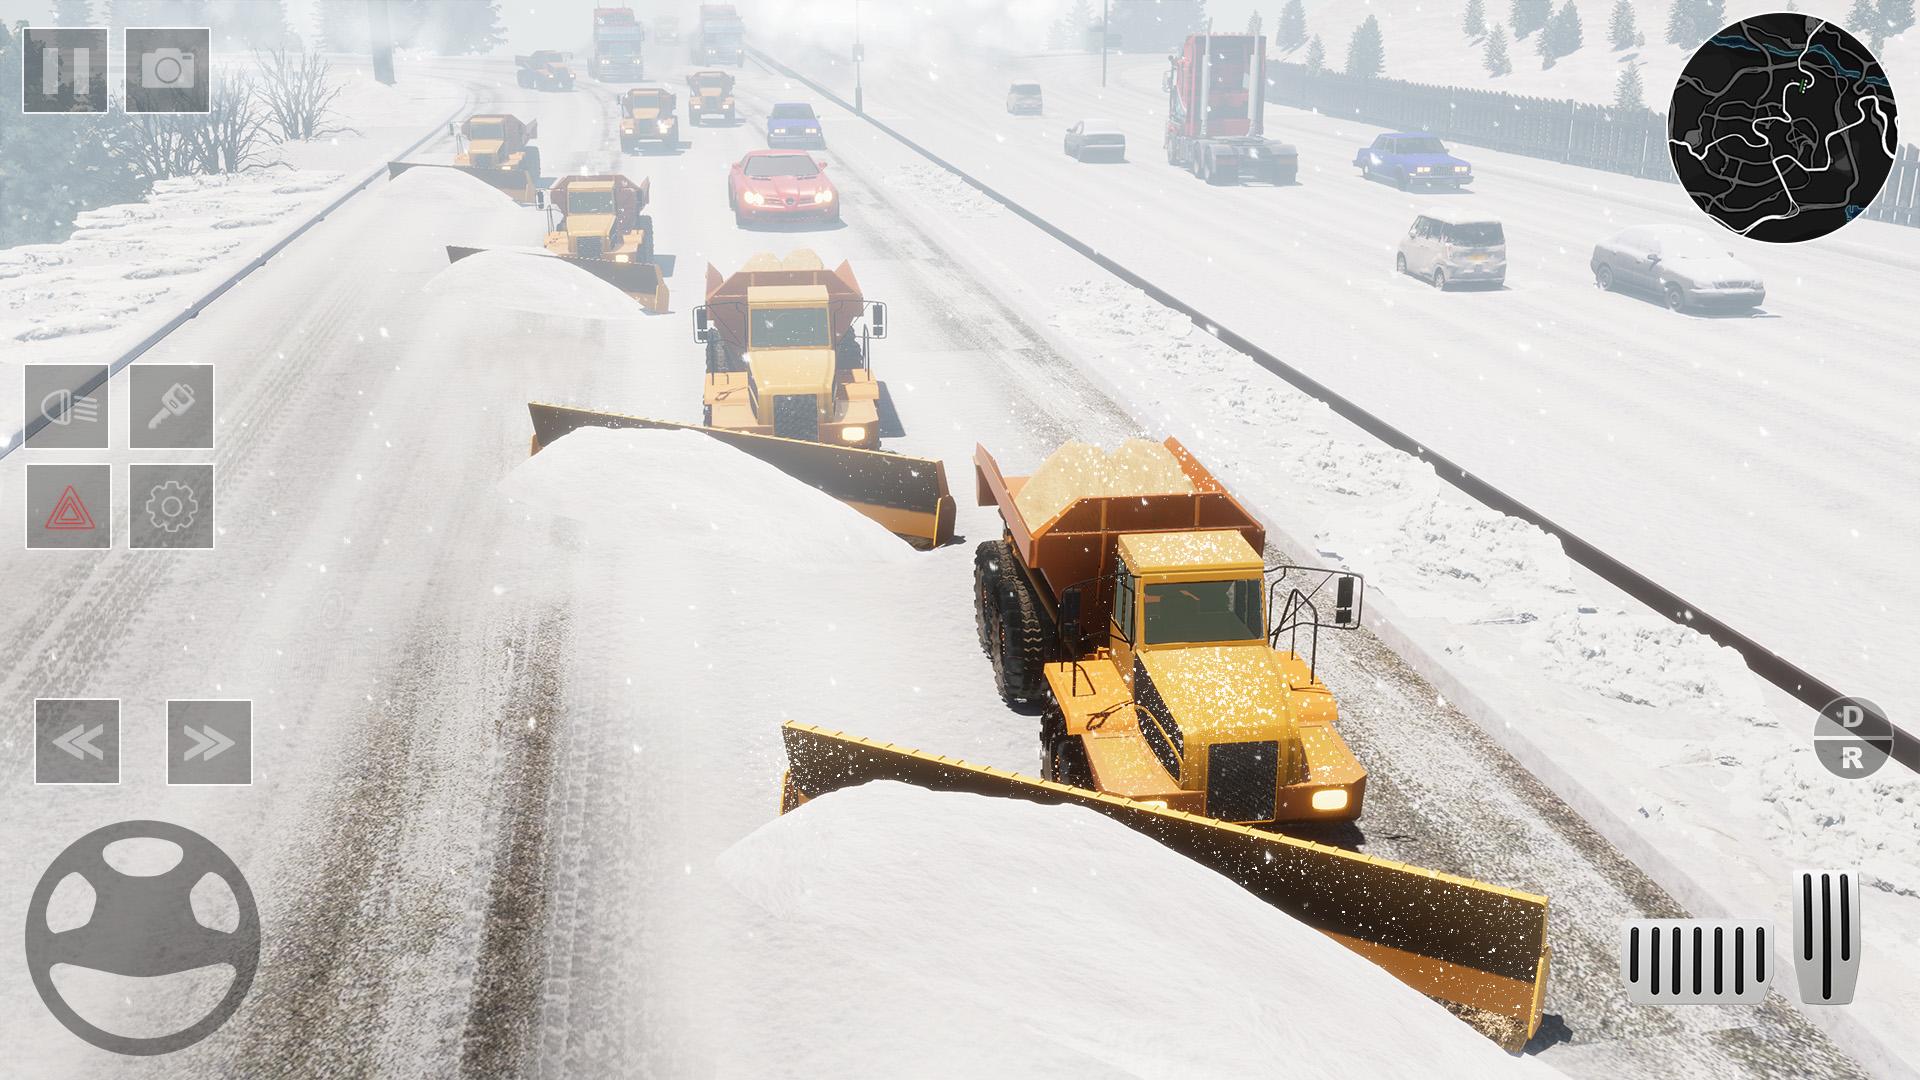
(702, 325)
(1346, 601)
(877, 319)
(539, 199)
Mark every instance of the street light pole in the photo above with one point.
(859, 54)
(1104, 16)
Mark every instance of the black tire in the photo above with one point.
(706, 415)
(739, 219)
(1019, 652)
(716, 357)
(1063, 757)
(1400, 181)
(1439, 279)
(1603, 277)
(1676, 297)
(530, 163)
(732, 203)
(1400, 262)
(989, 566)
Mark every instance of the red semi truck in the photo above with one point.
(1216, 112)
(618, 39)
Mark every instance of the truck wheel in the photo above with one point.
(716, 358)
(706, 415)
(989, 565)
(1063, 757)
(1020, 645)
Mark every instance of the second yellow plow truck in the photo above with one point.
(783, 355)
(1127, 600)
(789, 382)
(496, 148)
(595, 223)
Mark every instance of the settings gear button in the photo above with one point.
(172, 506)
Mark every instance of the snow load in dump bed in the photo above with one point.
(1082, 471)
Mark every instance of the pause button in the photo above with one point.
(1852, 738)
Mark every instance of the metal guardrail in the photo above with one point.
(32, 425)
(1789, 677)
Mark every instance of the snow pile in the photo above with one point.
(938, 187)
(447, 188)
(529, 280)
(688, 492)
(1078, 470)
(971, 936)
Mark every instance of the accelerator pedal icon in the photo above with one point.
(1826, 935)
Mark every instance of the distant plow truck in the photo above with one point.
(544, 70)
(596, 224)
(783, 354)
(709, 93)
(722, 36)
(618, 40)
(498, 149)
(649, 118)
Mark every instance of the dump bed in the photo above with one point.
(515, 133)
(629, 198)
(696, 80)
(654, 100)
(727, 296)
(1076, 546)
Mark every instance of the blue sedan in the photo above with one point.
(1409, 160)
(793, 124)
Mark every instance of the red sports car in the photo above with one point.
(781, 185)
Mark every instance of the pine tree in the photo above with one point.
(252, 24)
(1621, 31)
(460, 27)
(1080, 20)
(1291, 33)
(1526, 16)
(73, 12)
(1316, 55)
(1253, 23)
(1563, 35)
(1628, 92)
(1366, 50)
(1896, 15)
(342, 27)
(1495, 55)
(1679, 23)
(1474, 23)
(1864, 21)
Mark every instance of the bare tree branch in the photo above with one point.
(298, 92)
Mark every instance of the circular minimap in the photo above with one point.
(1782, 127)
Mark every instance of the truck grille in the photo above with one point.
(795, 416)
(1240, 780)
(589, 247)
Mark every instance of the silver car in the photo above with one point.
(1451, 247)
(1680, 265)
(1023, 99)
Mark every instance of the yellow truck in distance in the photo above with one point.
(709, 93)
(497, 148)
(783, 355)
(648, 119)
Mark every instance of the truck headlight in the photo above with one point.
(754, 198)
(727, 104)
(853, 433)
(1330, 800)
(822, 197)
(667, 124)
(626, 127)
(623, 258)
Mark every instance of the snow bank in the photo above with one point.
(527, 280)
(450, 188)
(683, 492)
(970, 936)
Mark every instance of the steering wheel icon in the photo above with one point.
(143, 927)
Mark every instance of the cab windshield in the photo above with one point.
(776, 328)
(589, 202)
(1200, 611)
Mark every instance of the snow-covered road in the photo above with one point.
(1761, 467)
(486, 808)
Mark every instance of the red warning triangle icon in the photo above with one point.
(70, 512)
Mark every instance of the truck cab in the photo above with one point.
(1188, 635)
(599, 218)
(649, 120)
(710, 93)
(797, 384)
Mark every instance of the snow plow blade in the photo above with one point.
(515, 183)
(906, 495)
(641, 280)
(1478, 949)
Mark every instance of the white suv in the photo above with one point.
(1452, 248)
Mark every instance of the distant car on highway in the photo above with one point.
(1096, 138)
(792, 123)
(1023, 99)
(1410, 160)
(1450, 247)
(781, 185)
(1682, 266)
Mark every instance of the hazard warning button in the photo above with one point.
(69, 506)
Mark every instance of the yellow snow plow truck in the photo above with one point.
(709, 93)
(1128, 602)
(498, 149)
(595, 223)
(647, 118)
(783, 355)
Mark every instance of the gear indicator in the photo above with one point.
(170, 506)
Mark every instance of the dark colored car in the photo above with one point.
(792, 123)
(1410, 160)
(1096, 138)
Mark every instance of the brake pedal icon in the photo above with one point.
(1696, 961)
(1826, 935)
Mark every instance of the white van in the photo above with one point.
(1451, 247)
